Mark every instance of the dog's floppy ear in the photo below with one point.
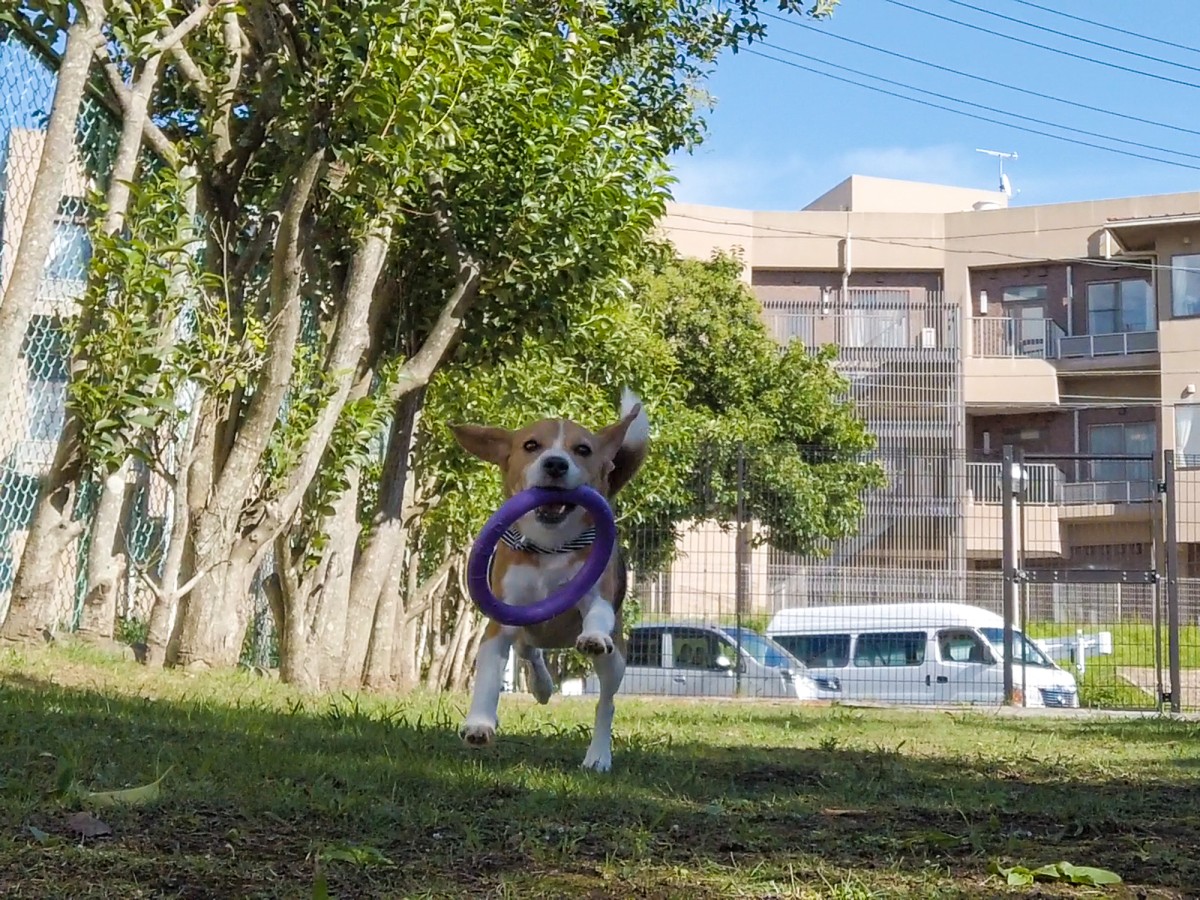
(612, 437)
(488, 443)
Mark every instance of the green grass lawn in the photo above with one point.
(270, 794)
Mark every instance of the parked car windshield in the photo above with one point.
(763, 649)
(1026, 650)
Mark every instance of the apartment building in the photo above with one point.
(1070, 331)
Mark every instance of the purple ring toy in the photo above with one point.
(570, 593)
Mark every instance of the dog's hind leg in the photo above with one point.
(479, 729)
(610, 669)
(541, 682)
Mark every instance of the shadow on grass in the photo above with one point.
(702, 802)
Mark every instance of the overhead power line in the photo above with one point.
(1074, 37)
(917, 243)
(980, 78)
(986, 108)
(1125, 31)
(1052, 49)
(1057, 137)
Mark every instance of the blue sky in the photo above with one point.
(779, 137)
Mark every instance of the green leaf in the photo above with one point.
(137, 796)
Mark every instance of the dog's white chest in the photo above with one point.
(523, 583)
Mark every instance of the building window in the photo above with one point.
(877, 318)
(1121, 440)
(47, 366)
(1117, 306)
(1187, 435)
(1026, 293)
(1185, 284)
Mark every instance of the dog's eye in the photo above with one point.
(532, 446)
(583, 450)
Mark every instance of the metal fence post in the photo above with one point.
(1172, 541)
(1008, 487)
(742, 563)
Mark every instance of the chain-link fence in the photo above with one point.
(33, 406)
(908, 607)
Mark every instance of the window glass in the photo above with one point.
(1185, 284)
(762, 650)
(1024, 650)
(962, 646)
(693, 649)
(645, 648)
(897, 648)
(70, 251)
(1120, 306)
(818, 650)
(1024, 293)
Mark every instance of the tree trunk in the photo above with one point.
(106, 563)
(212, 617)
(310, 615)
(464, 670)
(379, 570)
(51, 530)
(37, 232)
(179, 559)
(406, 657)
(32, 604)
(330, 623)
(383, 554)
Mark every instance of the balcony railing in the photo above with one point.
(1002, 337)
(1006, 337)
(1120, 344)
(1045, 483)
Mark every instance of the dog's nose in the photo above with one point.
(555, 466)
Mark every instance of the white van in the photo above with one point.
(687, 659)
(912, 653)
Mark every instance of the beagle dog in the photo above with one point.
(544, 549)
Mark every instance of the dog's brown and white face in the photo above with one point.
(559, 454)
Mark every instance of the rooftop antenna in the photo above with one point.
(1005, 183)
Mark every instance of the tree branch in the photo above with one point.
(254, 432)
(417, 371)
(350, 341)
(153, 135)
(190, 70)
(176, 35)
(223, 121)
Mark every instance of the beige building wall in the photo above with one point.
(869, 225)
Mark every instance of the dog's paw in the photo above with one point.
(476, 735)
(597, 760)
(541, 685)
(594, 644)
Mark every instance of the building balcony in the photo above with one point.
(1052, 500)
(1001, 337)
(1010, 368)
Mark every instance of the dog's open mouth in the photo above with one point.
(554, 513)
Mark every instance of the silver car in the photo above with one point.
(695, 660)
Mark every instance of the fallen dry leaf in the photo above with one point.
(86, 825)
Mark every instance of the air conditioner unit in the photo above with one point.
(928, 338)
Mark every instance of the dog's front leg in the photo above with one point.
(610, 669)
(596, 640)
(479, 729)
(599, 622)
